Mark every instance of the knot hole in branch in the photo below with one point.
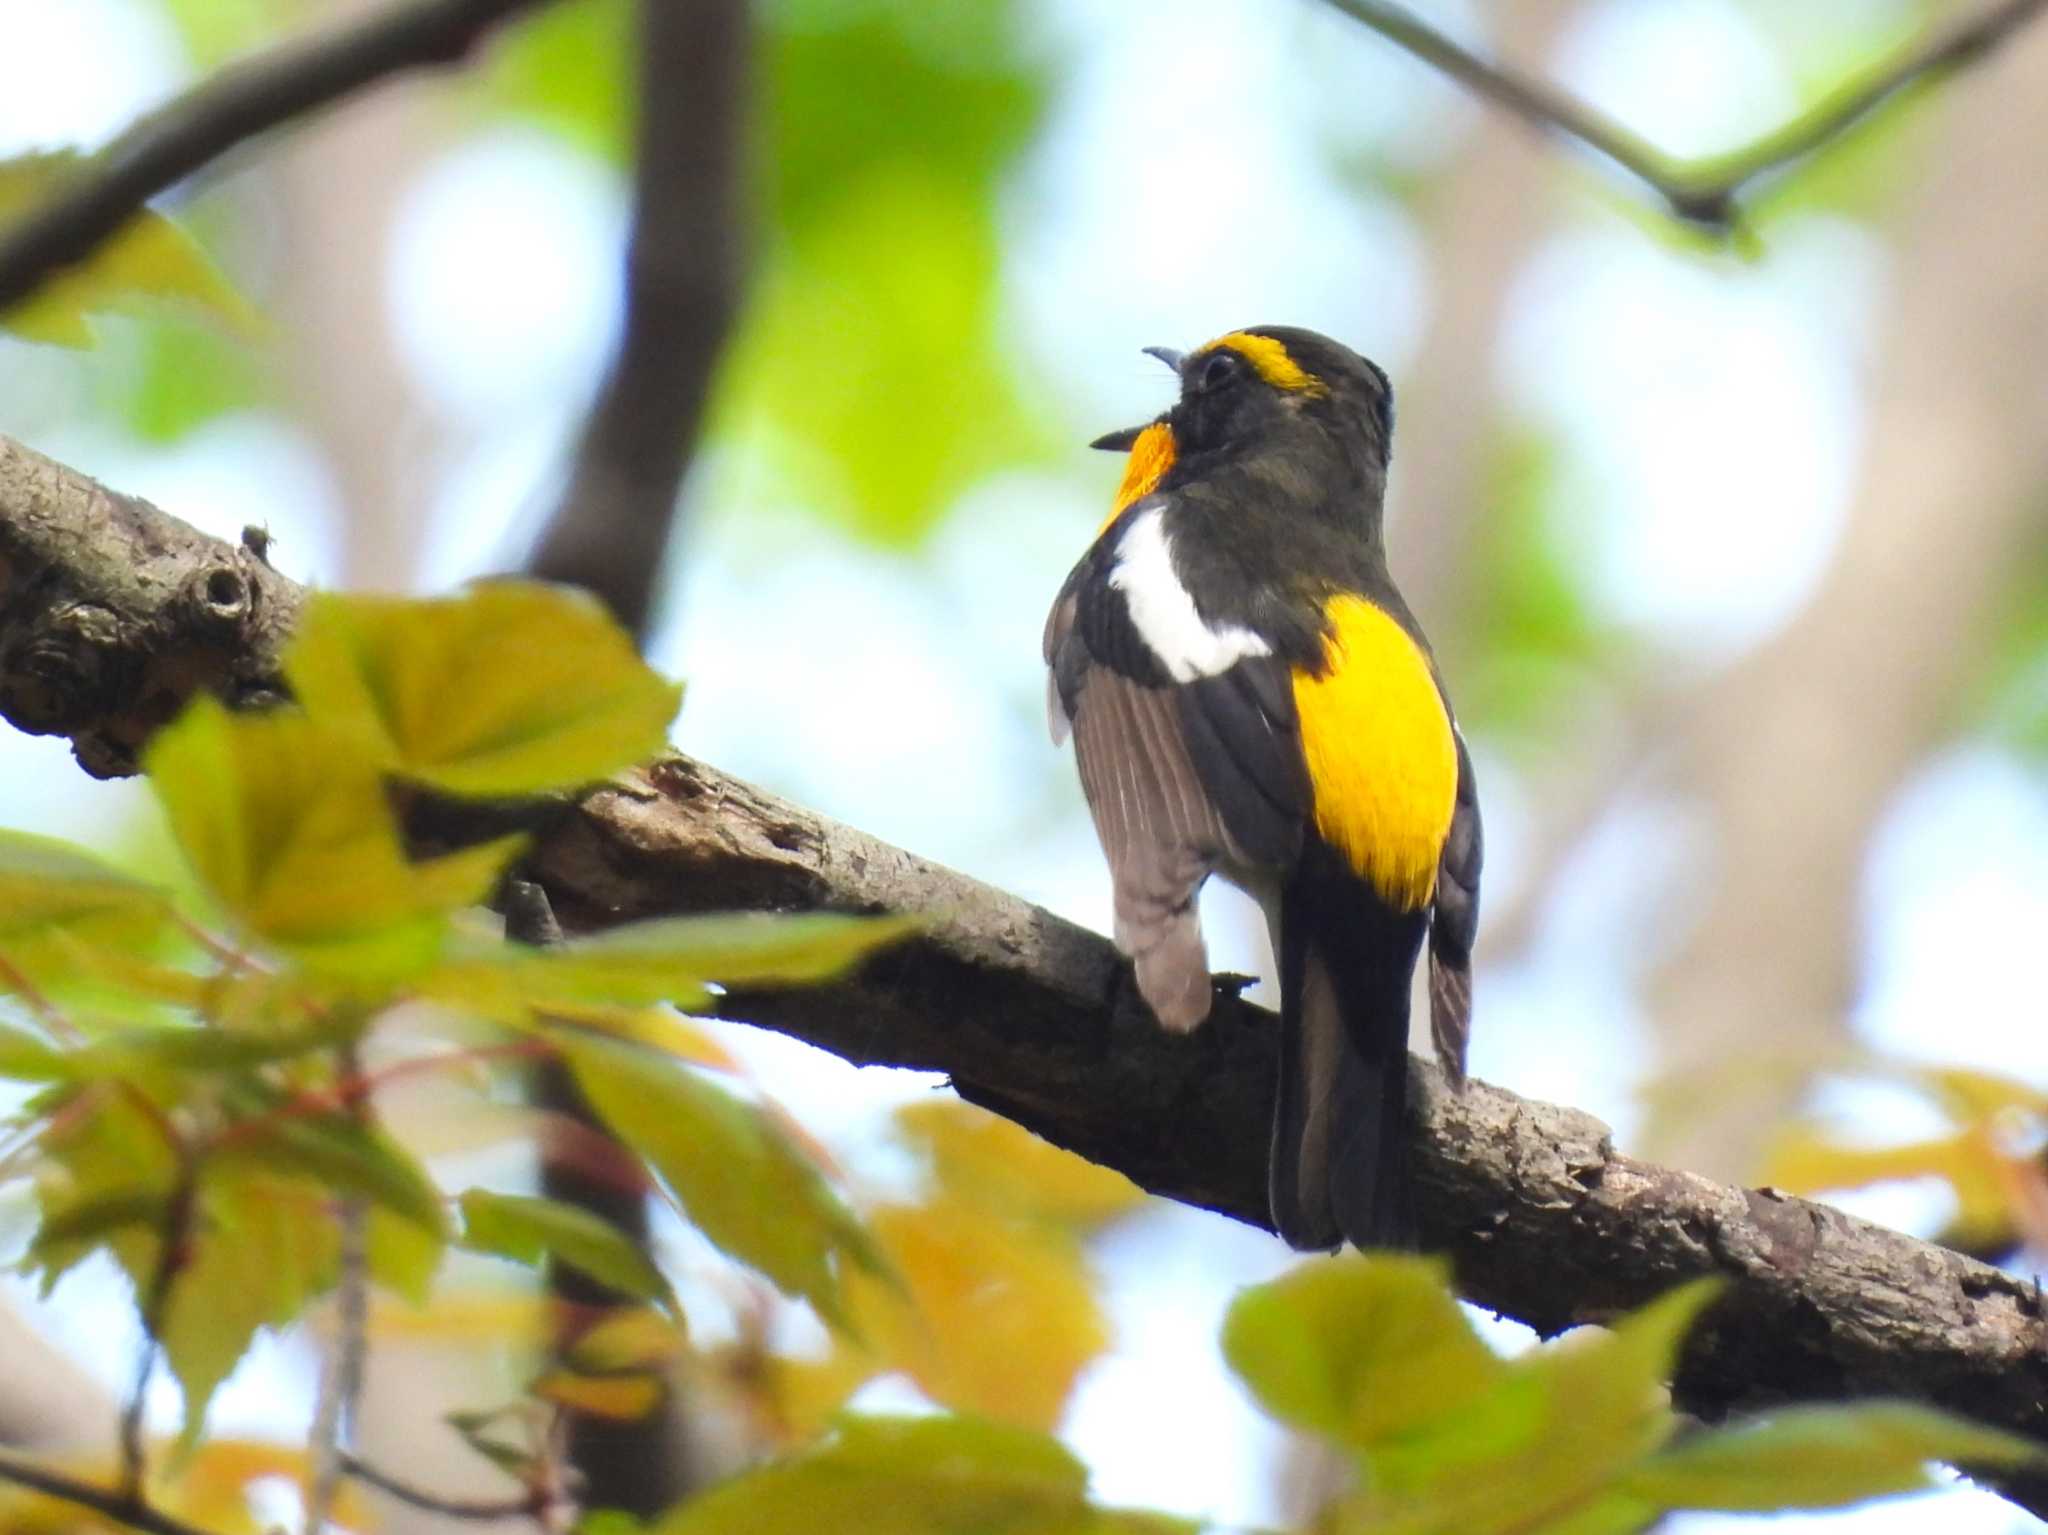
(221, 596)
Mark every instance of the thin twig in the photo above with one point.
(134, 1446)
(107, 1502)
(242, 102)
(341, 1378)
(1705, 191)
(170, 1262)
(37, 1001)
(527, 1506)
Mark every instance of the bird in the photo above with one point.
(1250, 697)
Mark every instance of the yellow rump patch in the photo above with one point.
(1271, 361)
(1380, 753)
(1151, 456)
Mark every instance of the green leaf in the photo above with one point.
(1820, 1457)
(25, 1058)
(289, 827)
(344, 1157)
(901, 1476)
(512, 688)
(669, 959)
(263, 1248)
(1359, 1349)
(106, 1146)
(1602, 1406)
(48, 884)
(151, 258)
(530, 1230)
(63, 1239)
(403, 1255)
(1532, 1444)
(205, 1048)
(743, 1183)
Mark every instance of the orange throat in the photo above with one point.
(1151, 456)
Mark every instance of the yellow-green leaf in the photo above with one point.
(668, 959)
(1360, 1349)
(344, 1157)
(150, 258)
(1000, 1317)
(1820, 1457)
(901, 1476)
(403, 1255)
(45, 883)
(630, 1338)
(738, 1177)
(528, 1229)
(512, 688)
(25, 1058)
(986, 1159)
(263, 1247)
(622, 1398)
(105, 1146)
(288, 825)
(1972, 1162)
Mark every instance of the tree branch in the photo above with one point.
(1036, 1018)
(1706, 191)
(122, 1508)
(239, 103)
(484, 1510)
(114, 613)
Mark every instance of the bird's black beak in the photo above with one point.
(1167, 355)
(1118, 442)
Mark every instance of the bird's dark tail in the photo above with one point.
(1340, 1122)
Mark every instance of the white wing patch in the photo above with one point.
(1163, 612)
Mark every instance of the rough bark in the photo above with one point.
(1036, 1018)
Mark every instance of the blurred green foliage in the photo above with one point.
(1530, 641)
(866, 366)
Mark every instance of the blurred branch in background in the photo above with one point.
(1796, 753)
(685, 267)
(1706, 192)
(228, 109)
(1035, 1017)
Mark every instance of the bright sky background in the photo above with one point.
(903, 693)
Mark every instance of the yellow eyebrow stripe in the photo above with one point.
(1381, 757)
(1272, 362)
(1151, 456)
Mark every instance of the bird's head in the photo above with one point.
(1268, 387)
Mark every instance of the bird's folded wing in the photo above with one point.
(1454, 923)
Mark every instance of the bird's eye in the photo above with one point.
(1219, 370)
